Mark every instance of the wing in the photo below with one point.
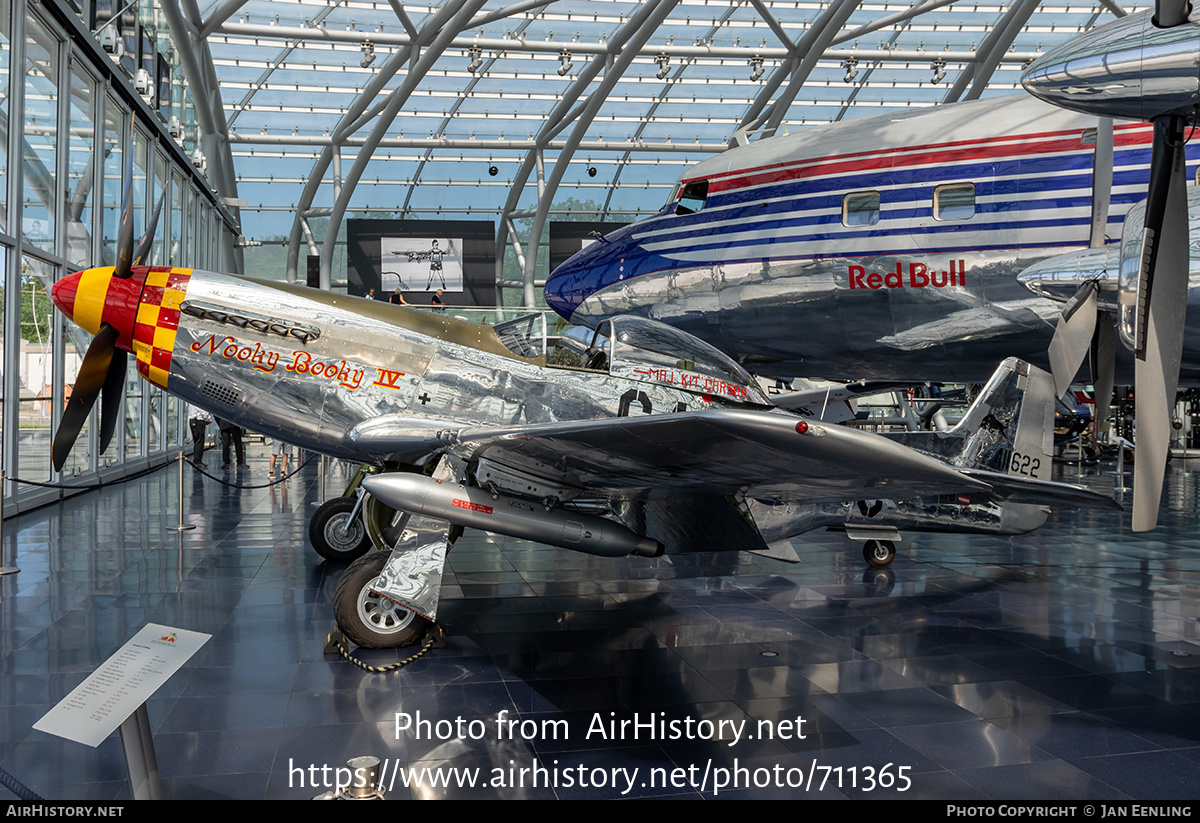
(762, 454)
(685, 478)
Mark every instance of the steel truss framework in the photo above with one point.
(427, 104)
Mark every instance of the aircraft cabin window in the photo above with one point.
(860, 208)
(955, 201)
(691, 200)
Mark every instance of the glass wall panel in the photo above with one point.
(81, 167)
(6, 460)
(40, 135)
(155, 407)
(5, 54)
(114, 170)
(189, 236)
(115, 138)
(172, 421)
(162, 232)
(202, 260)
(175, 240)
(35, 363)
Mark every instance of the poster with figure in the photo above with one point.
(416, 258)
(421, 264)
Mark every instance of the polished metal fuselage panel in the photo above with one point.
(768, 271)
(386, 368)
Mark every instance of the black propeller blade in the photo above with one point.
(141, 257)
(112, 398)
(94, 375)
(124, 261)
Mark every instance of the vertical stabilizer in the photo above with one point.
(1008, 429)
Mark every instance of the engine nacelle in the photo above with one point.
(1131, 259)
(1126, 69)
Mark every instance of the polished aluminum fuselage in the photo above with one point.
(767, 271)
(374, 365)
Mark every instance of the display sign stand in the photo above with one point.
(114, 696)
(140, 759)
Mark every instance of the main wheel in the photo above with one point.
(369, 620)
(879, 552)
(334, 534)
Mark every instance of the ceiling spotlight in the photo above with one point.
(756, 65)
(565, 57)
(591, 171)
(143, 83)
(939, 70)
(493, 171)
(476, 55)
(199, 161)
(664, 65)
(850, 64)
(368, 57)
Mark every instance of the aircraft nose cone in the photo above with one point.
(92, 297)
(558, 290)
(62, 294)
(596, 266)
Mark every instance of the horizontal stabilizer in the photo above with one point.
(1017, 489)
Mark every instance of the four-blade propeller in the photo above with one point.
(102, 372)
(1163, 272)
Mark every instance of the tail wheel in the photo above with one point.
(879, 552)
(369, 619)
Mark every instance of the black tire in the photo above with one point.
(879, 552)
(326, 535)
(368, 620)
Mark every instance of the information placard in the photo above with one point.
(122, 683)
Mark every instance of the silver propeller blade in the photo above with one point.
(1073, 337)
(1102, 175)
(1162, 303)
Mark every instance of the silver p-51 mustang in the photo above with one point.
(643, 442)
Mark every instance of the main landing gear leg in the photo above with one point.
(389, 599)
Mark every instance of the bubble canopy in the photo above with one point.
(649, 350)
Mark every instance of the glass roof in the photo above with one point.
(605, 102)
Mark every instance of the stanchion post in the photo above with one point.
(181, 526)
(3, 482)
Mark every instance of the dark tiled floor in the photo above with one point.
(1057, 665)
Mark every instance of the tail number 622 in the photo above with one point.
(1025, 464)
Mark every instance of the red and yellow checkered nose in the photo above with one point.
(93, 296)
